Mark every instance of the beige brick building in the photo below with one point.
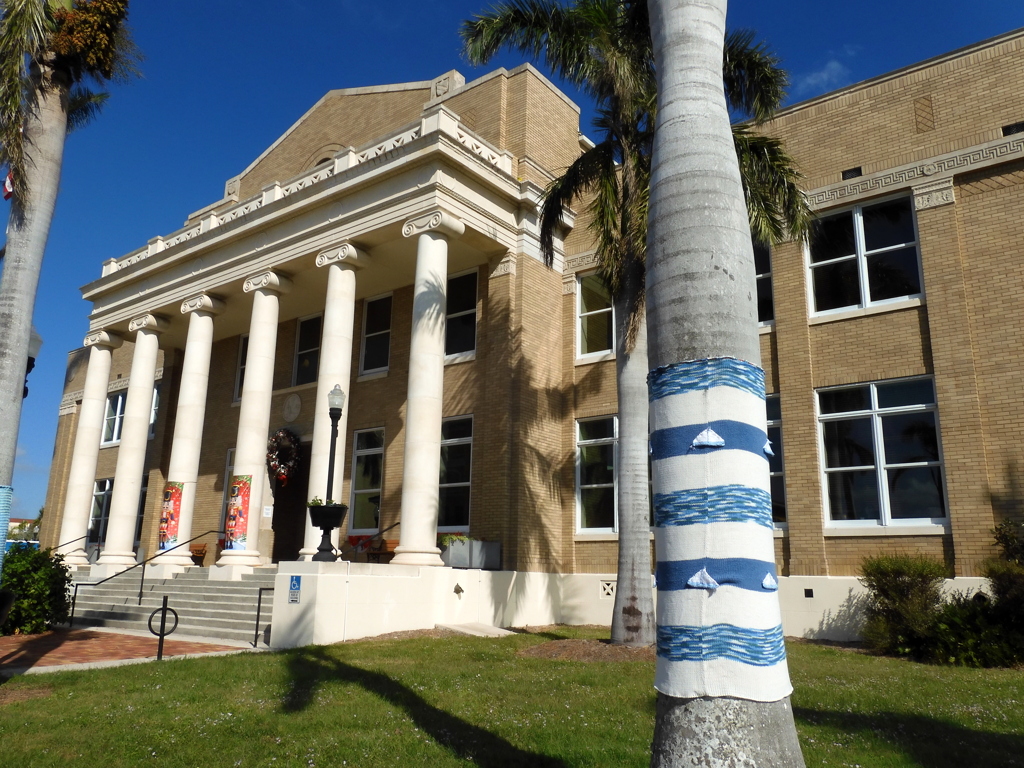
(889, 342)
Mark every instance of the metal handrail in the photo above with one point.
(72, 541)
(142, 581)
(362, 545)
(259, 610)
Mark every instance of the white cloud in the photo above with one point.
(833, 75)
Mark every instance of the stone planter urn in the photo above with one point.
(326, 517)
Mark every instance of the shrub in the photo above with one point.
(1009, 536)
(969, 632)
(903, 603)
(1007, 582)
(40, 580)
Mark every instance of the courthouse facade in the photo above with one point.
(388, 243)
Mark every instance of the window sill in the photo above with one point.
(597, 357)
(781, 530)
(925, 529)
(371, 376)
(765, 328)
(462, 357)
(874, 309)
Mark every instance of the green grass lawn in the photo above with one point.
(450, 701)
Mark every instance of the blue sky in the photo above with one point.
(224, 78)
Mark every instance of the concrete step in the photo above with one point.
(184, 629)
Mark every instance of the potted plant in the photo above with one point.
(326, 516)
(460, 550)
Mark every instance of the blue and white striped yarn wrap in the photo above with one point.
(6, 497)
(719, 623)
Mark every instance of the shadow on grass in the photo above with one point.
(313, 666)
(927, 741)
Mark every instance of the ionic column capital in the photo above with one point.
(345, 254)
(268, 281)
(204, 302)
(435, 221)
(151, 323)
(103, 339)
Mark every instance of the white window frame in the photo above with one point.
(120, 397)
(363, 370)
(780, 451)
(458, 357)
(467, 484)
(860, 255)
(768, 276)
(154, 411)
(614, 485)
(356, 453)
(105, 493)
(880, 466)
(243, 354)
(604, 354)
(318, 347)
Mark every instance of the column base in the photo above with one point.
(117, 558)
(175, 557)
(102, 571)
(232, 572)
(158, 570)
(306, 554)
(76, 559)
(410, 556)
(249, 557)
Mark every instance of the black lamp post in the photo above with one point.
(329, 516)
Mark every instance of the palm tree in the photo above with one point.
(48, 49)
(722, 680)
(604, 47)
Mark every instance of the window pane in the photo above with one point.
(461, 293)
(765, 302)
(309, 333)
(378, 315)
(376, 352)
(775, 462)
(848, 443)
(914, 392)
(832, 237)
(368, 471)
(853, 495)
(762, 259)
(460, 334)
(893, 274)
(916, 492)
(453, 506)
(773, 407)
(778, 500)
(910, 437)
(836, 285)
(843, 400)
(888, 224)
(455, 461)
(596, 464)
(366, 513)
(597, 508)
(306, 367)
(597, 429)
(456, 429)
(372, 439)
(596, 333)
(594, 294)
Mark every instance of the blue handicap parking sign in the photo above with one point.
(296, 582)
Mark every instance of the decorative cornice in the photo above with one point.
(506, 265)
(901, 177)
(346, 254)
(103, 339)
(569, 284)
(69, 402)
(151, 323)
(435, 221)
(581, 262)
(934, 194)
(204, 302)
(269, 280)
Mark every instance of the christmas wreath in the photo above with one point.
(283, 455)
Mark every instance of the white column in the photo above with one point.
(420, 475)
(82, 475)
(183, 470)
(245, 507)
(119, 547)
(335, 368)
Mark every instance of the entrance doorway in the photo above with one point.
(289, 522)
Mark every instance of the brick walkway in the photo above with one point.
(83, 646)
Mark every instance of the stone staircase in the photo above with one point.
(213, 609)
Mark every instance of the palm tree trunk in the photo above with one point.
(633, 613)
(721, 673)
(28, 229)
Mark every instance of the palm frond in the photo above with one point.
(755, 84)
(84, 106)
(776, 206)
